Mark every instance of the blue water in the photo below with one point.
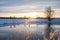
(2, 21)
(26, 31)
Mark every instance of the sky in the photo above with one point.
(23, 7)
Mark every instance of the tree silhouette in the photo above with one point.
(49, 12)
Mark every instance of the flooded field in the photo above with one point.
(27, 31)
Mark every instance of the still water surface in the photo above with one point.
(25, 31)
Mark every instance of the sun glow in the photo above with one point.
(25, 15)
(32, 15)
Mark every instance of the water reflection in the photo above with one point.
(28, 32)
(12, 25)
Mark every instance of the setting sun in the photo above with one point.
(32, 15)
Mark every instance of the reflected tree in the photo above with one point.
(14, 22)
(49, 13)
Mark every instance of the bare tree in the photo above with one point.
(49, 12)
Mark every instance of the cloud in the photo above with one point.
(21, 6)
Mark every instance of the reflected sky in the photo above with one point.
(16, 30)
(22, 32)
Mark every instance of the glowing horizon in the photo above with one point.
(21, 8)
(29, 14)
